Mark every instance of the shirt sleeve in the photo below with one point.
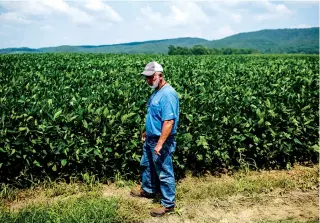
(169, 103)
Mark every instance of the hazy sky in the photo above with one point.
(95, 22)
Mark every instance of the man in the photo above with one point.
(159, 141)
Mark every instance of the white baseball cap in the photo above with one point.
(151, 68)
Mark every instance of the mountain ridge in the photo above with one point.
(287, 40)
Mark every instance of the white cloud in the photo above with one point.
(151, 15)
(223, 32)
(43, 7)
(302, 3)
(230, 3)
(96, 5)
(12, 17)
(281, 8)
(113, 14)
(47, 27)
(56, 7)
(301, 26)
(25, 7)
(236, 17)
(105, 26)
(220, 7)
(99, 6)
(59, 5)
(148, 28)
(77, 16)
(80, 17)
(274, 11)
(178, 15)
(181, 14)
(195, 13)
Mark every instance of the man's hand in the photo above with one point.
(166, 129)
(143, 137)
(157, 149)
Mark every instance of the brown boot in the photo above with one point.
(141, 193)
(158, 212)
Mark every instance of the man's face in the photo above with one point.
(151, 80)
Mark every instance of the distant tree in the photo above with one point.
(199, 50)
(184, 51)
(227, 51)
(178, 50)
(214, 51)
(171, 50)
(202, 50)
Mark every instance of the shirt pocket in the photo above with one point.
(155, 108)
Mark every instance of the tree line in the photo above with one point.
(201, 50)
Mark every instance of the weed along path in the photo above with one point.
(259, 197)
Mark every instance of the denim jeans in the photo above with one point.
(157, 171)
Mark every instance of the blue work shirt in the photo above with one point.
(162, 105)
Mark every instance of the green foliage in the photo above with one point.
(79, 115)
(202, 50)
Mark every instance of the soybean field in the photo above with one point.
(81, 115)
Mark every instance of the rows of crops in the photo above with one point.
(65, 115)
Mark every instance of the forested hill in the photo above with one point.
(273, 41)
(304, 40)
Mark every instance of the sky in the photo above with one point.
(47, 23)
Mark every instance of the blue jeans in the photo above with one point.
(157, 171)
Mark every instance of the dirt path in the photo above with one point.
(269, 196)
(297, 205)
(273, 206)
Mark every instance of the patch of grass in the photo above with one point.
(47, 189)
(201, 189)
(248, 184)
(66, 189)
(133, 211)
(60, 201)
(8, 192)
(87, 208)
(91, 207)
(120, 181)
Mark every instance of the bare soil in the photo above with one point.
(285, 195)
(300, 206)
